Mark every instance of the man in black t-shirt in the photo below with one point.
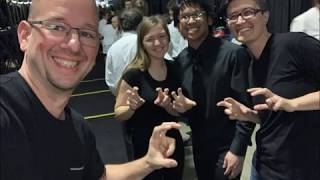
(41, 137)
(210, 70)
(284, 80)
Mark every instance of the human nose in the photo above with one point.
(191, 19)
(73, 40)
(156, 42)
(240, 19)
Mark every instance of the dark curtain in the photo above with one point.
(283, 11)
(157, 6)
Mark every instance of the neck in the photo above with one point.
(158, 69)
(257, 46)
(52, 98)
(196, 44)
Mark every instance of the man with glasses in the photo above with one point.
(211, 69)
(284, 80)
(41, 136)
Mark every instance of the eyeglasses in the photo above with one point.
(246, 14)
(195, 16)
(61, 31)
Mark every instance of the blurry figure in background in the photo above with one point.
(142, 6)
(143, 98)
(122, 52)
(127, 4)
(308, 22)
(177, 42)
(110, 32)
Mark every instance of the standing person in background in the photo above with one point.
(144, 98)
(122, 52)
(177, 42)
(110, 32)
(127, 4)
(308, 22)
(142, 5)
(211, 69)
(284, 81)
(41, 136)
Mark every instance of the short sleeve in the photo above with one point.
(132, 76)
(308, 57)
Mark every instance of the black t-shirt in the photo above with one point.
(224, 73)
(288, 145)
(149, 115)
(37, 146)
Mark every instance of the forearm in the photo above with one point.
(134, 170)
(123, 113)
(307, 102)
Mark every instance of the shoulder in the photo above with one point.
(290, 40)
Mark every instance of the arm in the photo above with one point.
(127, 102)
(109, 74)
(274, 102)
(233, 161)
(160, 148)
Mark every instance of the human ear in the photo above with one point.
(24, 32)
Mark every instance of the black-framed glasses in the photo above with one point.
(245, 14)
(195, 16)
(61, 30)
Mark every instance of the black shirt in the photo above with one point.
(149, 115)
(37, 146)
(288, 145)
(223, 69)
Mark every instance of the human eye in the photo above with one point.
(88, 34)
(248, 13)
(184, 18)
(56, 26)
(233, 17)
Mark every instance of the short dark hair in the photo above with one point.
(208, 6)
(261, 3)
(129, 19)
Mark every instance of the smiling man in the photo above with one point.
(41, 136)
(284, 78)
(211, 69)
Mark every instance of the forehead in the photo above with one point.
(67, 10)
(239, 5)
(155, 30)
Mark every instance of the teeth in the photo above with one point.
(67, 64)
(192, 30)
(244, 30)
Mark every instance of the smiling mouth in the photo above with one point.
(66, 63)
(243, 30)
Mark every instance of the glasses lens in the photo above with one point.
(249, 13)
(88, 37)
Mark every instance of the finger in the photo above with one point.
(171, 146)
(135, 89)
(168, 163)
(174, 95)
(260, 107)
(230, 100)
(163, 128)
(224, 104)
(166, 91)
(263, 91)
(180, 92)
(228, 169)
(250, 90)
(224, 163)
